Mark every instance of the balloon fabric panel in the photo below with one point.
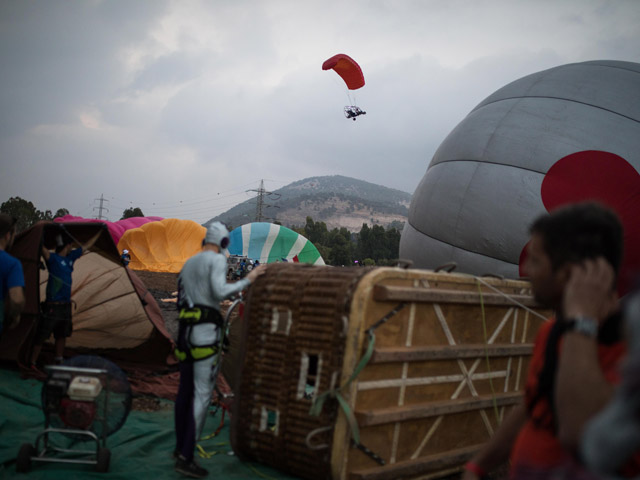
(309, 254)
(300, 249)
(163, 246)
(116, 229)
(268, 243)
(533, 126)
(593, 175)
(285, 240)
(236, 245)
(258, 235)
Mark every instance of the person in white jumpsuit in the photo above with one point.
(202, 285)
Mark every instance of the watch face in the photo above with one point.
(586, 326)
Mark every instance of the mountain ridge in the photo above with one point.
(336, 200)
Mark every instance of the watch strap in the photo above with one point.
(587, 326)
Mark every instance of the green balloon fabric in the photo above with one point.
(268, 243)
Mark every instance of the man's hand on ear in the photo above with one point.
(590, 291)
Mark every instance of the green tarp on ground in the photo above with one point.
(140, 450)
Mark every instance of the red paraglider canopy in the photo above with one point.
(347, 68)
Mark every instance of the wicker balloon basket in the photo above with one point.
(383, 373)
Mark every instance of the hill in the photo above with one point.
(336, 200)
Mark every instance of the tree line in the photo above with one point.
(339, 247)
(371, 246)
(27, 215)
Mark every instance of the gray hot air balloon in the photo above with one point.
(484, 185)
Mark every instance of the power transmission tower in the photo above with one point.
(101, 207)
(260, 205)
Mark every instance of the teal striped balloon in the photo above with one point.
(268, 243)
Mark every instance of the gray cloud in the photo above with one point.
(163, 104)
(59, 55)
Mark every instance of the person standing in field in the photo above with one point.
(202, 285)
(11, 277)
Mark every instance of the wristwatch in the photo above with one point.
(587, 326)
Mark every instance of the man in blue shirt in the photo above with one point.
(56, 315)
(11, 277)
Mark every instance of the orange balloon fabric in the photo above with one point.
(162, 246)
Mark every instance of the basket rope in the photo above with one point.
(319, 401)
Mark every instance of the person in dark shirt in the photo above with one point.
(125, 257)
(56, 314)
(11, 277)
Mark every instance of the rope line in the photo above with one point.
(258, 472)
(318, 403)
(486, 355)
(508, 297)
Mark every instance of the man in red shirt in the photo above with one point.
(572, 261)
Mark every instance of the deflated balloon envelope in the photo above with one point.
(163, 246)
(116, 229)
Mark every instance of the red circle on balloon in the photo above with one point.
(594, 175)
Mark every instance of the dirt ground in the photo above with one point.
(167, 282)
(163, 286)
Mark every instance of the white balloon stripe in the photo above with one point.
(269, 241)
(297, 247)
(246, 235)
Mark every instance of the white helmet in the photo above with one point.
(217, 234)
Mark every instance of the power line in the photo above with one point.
(209, 205)
(207, 198)
(260, 205)
(101, 207)
(183, 203)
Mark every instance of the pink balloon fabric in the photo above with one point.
(116, 229)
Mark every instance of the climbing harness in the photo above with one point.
(200, 314)
(188, 318)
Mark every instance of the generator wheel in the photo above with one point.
(23, 461)
(103, 458)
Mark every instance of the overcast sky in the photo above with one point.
(179, 107)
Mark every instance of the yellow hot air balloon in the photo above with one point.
(162, 246)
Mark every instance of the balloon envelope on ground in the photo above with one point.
(268, 242)
(116, 229)
(163, 246)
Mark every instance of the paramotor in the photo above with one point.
(351, 73)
